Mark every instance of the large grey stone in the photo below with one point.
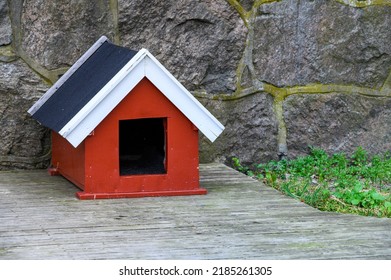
(317, 41)
(337, 123)
(5, 24)
(200, 42)
(57, 32)
(22, 140)
(250, 130)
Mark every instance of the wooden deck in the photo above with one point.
(239, 218)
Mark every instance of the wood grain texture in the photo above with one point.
(239, 218)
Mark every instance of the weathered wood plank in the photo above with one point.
(239, 218)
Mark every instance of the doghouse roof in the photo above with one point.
(98, 82)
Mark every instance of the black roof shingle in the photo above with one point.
(83, 85)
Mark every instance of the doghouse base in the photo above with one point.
(82, 195)
(89, 196)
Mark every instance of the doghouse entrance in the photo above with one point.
(142, 146)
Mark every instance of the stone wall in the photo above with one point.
(280, 75)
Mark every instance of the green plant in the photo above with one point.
(356, 184)
(238, 166)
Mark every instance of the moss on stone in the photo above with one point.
(7, 54)
(386, 88)
(241, 11)
(365, 3)
(330, 88)
(7, 51)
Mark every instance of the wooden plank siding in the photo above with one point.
(239, 218)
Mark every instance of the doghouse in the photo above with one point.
(123, 126)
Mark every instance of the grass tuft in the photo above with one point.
(356, 184)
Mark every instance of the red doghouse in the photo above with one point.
(123, 126)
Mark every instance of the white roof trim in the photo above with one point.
(143, 64)
(118, 82)
(67, 74)
(182, 98)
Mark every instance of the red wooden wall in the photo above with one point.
(94, 165)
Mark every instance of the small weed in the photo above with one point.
(356, 184)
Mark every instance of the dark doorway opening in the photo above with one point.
(142, 146)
